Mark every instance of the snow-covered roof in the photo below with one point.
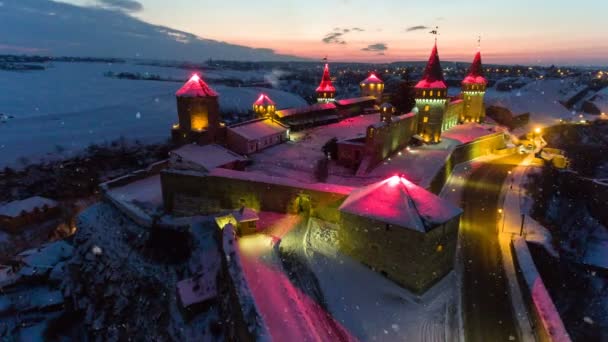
(400, 202)
(263, 100)
(433, 74)
(195, 87)
(245, 215)
(203, 286)
(15, 208)
(475, 75)
(326, 85)
(207, 156)
(372, 79)
(354, 100)
(258, 129)
(600, 100)
(307, 109)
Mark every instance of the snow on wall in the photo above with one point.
(549, 324)
(61, 110)
(256, 326)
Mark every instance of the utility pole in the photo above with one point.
(521, 230)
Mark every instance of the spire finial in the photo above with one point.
(435, 32)
(479, 43)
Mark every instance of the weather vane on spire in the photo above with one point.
(435, 32)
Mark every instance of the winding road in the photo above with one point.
(486, 305)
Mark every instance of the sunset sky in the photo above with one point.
(516, 31)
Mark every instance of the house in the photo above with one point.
(256, 135)
(204, 158)
(18, 214)
(197, 293)
(402, 230)
(245, 220)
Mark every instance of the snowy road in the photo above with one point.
(487, 308)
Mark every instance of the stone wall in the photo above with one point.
(382, 139)
(243, 319)
(194, 194)
(547, 323)
(412, 259)
(465, 153)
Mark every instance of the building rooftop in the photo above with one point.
(326, 85)
(400, 202)
(203, 286)
(475, 75)
(257, 129)
(306, 109)
(354, 100)
(372, 79)
(433, 74)
(207, 156)
(195, 87)
(263, 100)
(15, 208)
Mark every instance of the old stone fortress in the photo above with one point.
(393, 224)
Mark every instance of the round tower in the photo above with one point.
(387, 111)
(264, 106)
(372, 86)
(197, 111)
(431, 100)
(326, 92)
(473, 92)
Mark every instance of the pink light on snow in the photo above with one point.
(394, 181)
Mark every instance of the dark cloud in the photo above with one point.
(334, 38)
(416, 28)
(123, 5)
(337, 35)
(376, 47)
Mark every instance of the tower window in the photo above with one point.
(425, 119)
(427, 108)
(431, 93)
(424, 93)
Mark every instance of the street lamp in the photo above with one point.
(500, 212)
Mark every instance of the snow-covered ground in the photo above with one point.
(541, 99)
(61, 110)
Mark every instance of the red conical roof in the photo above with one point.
(326, 85)
(433, 74)
(475, 75)
(263, 100)
(195, 87)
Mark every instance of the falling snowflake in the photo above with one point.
(587, 320)
(395, 327)
(138, 115)
(96, 250)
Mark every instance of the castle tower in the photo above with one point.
(386, 112)
(326, 92)
(431, 100)
(264, 106)
(473, 92)
(372, 86)
(198, 113)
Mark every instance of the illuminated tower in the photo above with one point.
(264, 106)
(198, 113)
(326, 92)
(431, 100)
(386, 112)
(473, 91)
(372, 86)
